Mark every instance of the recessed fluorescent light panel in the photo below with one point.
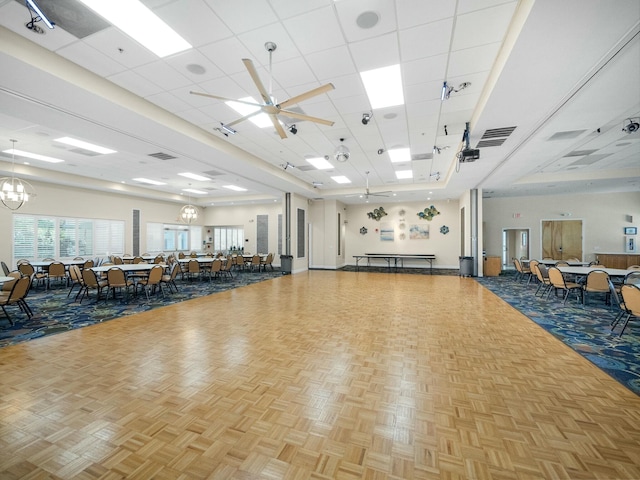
(150, 182)
(341, 179)
(320, 163)
(261, 120)
(235, 188)
(193, 190)
(84, 145)
(400, 155)
(141, 24)
(403, 174)
(384, 86)
(34, 156)
(194, 176)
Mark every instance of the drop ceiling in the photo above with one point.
(552, 84)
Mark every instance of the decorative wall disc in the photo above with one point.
(363, 231)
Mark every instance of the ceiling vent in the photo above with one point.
(566, 135)
(496, 142)
(306, 168)
(498, 132)
(82, 151)
(213, 173)
(422, 156)
(580, 153)
(72, 16)
(494, 137)
(162, 156)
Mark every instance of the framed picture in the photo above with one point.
(630, 230)
(630, 245)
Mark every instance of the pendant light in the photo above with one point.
(14, 192)
(189, 213)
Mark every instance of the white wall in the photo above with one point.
(446, 247)
(62, 201)
(324, 234)
(603, 216)
(245, 216)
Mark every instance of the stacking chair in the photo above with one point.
(597, 282)
(117, 280)
(216, 268)
(87, 264)
(58, 271)
(117, 260)
(631, 301)
(532, 265)
(17, 296)
(617, 302)
(632, 278)
(541, 272)
(154, 280)
(91, 282)
(634, 267)
(228, 265)
(170, 278)
(159, 259)
(193, 269)
(75, 278)
(5, 269)
(255, 262)
(268, 261)
(521, 272)
(559, 283)
(27, 270)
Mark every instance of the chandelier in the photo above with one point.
(13, 191)
(189, 213)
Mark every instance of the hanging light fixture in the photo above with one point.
(13, 191)
(189, 213)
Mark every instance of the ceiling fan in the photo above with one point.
(269, 107)
(368, 193)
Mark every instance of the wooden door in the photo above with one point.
(562, 239)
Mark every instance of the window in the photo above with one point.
(36, 237)
(228, 238)
(171, 238)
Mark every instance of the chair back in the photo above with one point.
(562, 264)
(89, 278)
(216, 266)
(516, 263)
(634, 267)
(158, 259)
(255, 260)
(615, 298)
(116, 277)
(5, 269)
(155, 275)
(632, 278)
(26, 269)
(74, 273)
(597, 281)
(118, 260)
(87, 264)
(631, 298)
(556, 278)
(175, 269)
(57, 269)
(532, 264)
(536, 270)
(181, 255)
(19, 290)
(137, 259)
(544, 270)
(194, 266)
(193, 255)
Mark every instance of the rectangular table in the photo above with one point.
(397, 258)
(583, 271)
(128, 267)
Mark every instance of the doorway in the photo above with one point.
(515, 244)
(562, 239)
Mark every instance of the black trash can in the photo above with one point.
(286, 264)
(466, 266)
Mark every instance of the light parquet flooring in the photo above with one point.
(316, 375)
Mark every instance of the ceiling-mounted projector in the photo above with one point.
(469, 155)
(632, 126)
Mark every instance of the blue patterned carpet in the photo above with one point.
(586, 330)
(55, 313)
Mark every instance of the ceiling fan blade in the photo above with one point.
(380, 194)
(242, 119)
(256, 79)
(277, 126)
(226, 99)
(309, 94)
(300, 116)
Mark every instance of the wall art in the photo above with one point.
(377, 214)
(418, 232)
(363, 231)
(444, 229)
(386, 233)
(428, 213)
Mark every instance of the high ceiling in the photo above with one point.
(552, 84)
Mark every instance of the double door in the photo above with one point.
(562, 239)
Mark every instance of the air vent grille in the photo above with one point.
(422, 156)
(306, 168)
(82, 151)
(566, 135)
(496, 142)
(162, 156)
(580, 153)
(498, 132)
(213, 173)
